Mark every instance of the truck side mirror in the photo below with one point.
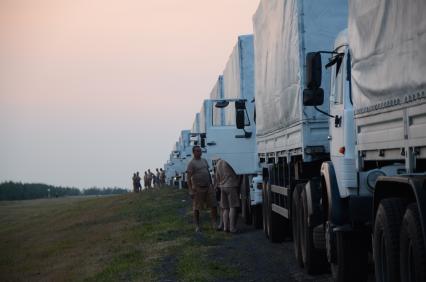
(239, 119)
(313, 97)
(313, 70)
(203, 142)
(240, 107)
(221, 104)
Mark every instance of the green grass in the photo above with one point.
(139, 237)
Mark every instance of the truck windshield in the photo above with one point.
(226, 116)
(337, 78)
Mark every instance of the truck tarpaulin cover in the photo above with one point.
(202, 119)
(217, 93)
(184, 139)
(388, 47)
(284, 31)
(238, 76)
(196, 124)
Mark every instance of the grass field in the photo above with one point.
(134, 237)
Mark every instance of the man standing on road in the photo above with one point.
(200, 188)
(229, 183)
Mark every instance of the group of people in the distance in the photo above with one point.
(150, 180)
(204, 191)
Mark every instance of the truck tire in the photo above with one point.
(386, 242)
(314, 260)
(319, 237)
(295, 221)
(256, 213)
(412, 246)
(276, 228)
(245, 201)
(351, 256)
(245, 211)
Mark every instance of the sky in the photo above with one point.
(92, 91)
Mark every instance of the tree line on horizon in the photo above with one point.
(10, 191)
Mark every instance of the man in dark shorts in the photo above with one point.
(200, 188)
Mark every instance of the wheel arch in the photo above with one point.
(335, 208)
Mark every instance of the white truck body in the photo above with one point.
(236, 83)
(374, 186)
(223, 139)
(284, 32)
(387, 45)
(195, 131)
(170, 170)
(181, 156)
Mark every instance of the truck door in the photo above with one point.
(227, 142)
(342, 130)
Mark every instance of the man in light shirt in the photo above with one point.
(200, 188)
(229, 183)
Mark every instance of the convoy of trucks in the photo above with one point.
(230, 131)
(175, 167)
(327, 126)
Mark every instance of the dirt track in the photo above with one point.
(260, 260)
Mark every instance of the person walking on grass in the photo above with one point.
(134, 182)
(162, 177)
(150, 175)
(145, 180)
(138, 182)
(229, 183)
(157, 178)
(200, 188)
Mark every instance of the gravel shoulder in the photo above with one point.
(260, 260)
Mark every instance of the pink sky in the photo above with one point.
(92, 91)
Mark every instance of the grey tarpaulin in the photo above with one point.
(284, 31)
(388, 46)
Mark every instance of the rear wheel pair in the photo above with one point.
(399, 247)
(275, 226)
(256, 214)
(412, 246)
(307, 256)
(351, 257)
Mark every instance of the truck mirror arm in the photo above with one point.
(337, 119)
(325, 113)
(246, 134)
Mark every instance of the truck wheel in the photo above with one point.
(256, 213)
(277, 228)
(387, 227)
(314, 260)
(412, 246)
(295, 221)
(245, 211)
(351, 256)
(245, 201)
(319, 237)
